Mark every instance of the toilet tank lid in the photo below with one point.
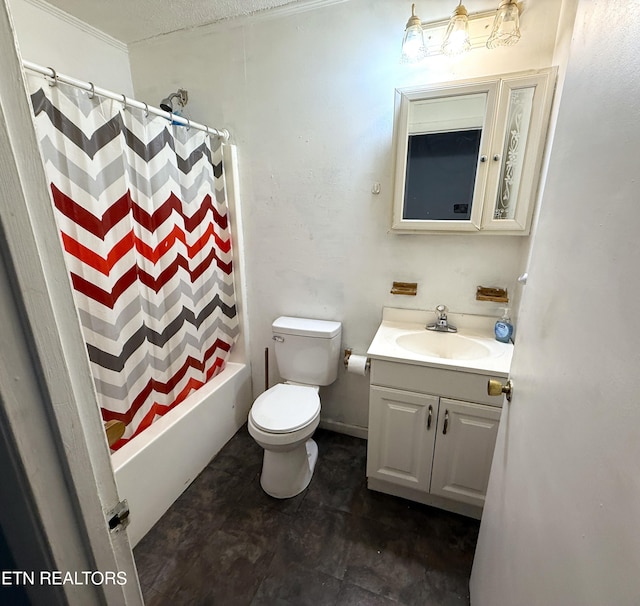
(322, 329)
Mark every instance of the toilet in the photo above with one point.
(283, 418)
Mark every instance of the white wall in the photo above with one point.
(52, 38)
(308, 97)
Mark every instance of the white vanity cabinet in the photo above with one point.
(468, 154)
(432, 433)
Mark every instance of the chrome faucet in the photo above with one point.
(441, 324)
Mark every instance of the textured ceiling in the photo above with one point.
(133, 20)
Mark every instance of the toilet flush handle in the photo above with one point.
(278, 338)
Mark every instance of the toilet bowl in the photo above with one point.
(282, 421)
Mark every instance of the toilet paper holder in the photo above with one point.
(347, 355)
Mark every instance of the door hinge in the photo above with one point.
(118, 517)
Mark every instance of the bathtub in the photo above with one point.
(155, 468)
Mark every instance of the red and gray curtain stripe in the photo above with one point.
(142, 212)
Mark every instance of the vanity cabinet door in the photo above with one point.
(402, 429)
(466, 437)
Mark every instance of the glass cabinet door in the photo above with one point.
(516, 153)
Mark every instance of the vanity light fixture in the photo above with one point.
(506, 25)
(462, 32)
(456, 38)
(413, 47)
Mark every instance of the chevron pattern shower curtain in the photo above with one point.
(141, 208)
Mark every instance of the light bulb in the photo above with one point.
(413, 48)
(456, 38)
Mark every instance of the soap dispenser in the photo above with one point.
(503, 328)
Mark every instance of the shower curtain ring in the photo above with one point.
(55, 77)
(92, 92)
(124, 101)
(188, 124)
(146, 110)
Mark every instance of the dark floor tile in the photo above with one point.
(256, 522)
(148, 565)
(227, 542)
(439, 589)
(339, 475)
(453, 527)
(170, 574)
(227, 569)
(394, 511)
(450, 551)
(341, 448)
(168, 550)
(214, 491)
(153, 598)
(352, 595)
(382, 560)
(288, 584)
(241, 456)
(316, 540)
(175, 533)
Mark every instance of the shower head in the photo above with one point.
(181, 95)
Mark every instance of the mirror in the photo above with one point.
(443, 149)
(441, 136)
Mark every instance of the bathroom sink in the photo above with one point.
(402, 337)
(451, 346)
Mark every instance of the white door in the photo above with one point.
(561, 522)
(464, 449)
(50, 421)
(402, 429)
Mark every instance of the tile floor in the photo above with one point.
(225, 542)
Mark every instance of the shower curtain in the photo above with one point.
(141, 208)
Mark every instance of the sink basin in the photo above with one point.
(402, 337)
(451, 346)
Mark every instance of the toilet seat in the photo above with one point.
(285, 408)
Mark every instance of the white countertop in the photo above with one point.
(398, 322)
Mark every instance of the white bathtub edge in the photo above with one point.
(153, 470)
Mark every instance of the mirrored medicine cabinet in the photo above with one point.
(468, 153)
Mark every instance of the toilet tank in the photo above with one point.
(307, 351)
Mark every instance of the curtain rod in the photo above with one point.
(126, 101)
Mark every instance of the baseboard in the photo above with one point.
(345, 428)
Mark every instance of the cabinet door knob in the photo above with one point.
(446, 423)
(429, 417)
(495, 388)
(496, 157)
(483, 158)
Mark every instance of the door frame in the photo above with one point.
(51, 416)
